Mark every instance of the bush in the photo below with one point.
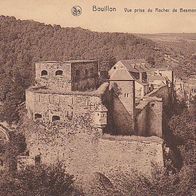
(37, 181)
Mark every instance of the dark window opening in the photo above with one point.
(59, 73)
(1, 163)
(144, 77)
(152, 104)
(37, 160)
(126, 95)
(38, 116)
(27, 153)
(91, 71)
(69, 115)
(77, 74)
(104, 74)
(55, 118)
(44, 73)
(87, 85)
(86, 73)
(136, 75)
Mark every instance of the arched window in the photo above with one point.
(59, 73)
(55, 118)
(44, 73)
(38, 116)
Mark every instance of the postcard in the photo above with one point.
(97, 98)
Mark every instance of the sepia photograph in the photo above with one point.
(97, 98)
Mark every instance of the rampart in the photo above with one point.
(150, 111)
(149, 117)
(49, 105)
(84, 151)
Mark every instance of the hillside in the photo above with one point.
(182, 46)
(24, 42)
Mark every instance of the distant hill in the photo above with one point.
(23, 42)
(181, 46)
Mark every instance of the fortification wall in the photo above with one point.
(163, 92)
(142, 119)
(63, 105)
(118, 153)
(149, 117)
(83, 151)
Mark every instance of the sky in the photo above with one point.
(59, 12)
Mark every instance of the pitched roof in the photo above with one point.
(121, 75)
(134, 65)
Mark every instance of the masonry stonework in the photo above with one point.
(83, 151)
(90, 128)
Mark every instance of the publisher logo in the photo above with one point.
(76, 10)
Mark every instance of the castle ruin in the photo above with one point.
(125, 115)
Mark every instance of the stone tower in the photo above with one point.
(122, 107)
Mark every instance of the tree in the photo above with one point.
(38, 181)
(183, 127)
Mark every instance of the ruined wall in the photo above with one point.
(54, 75)
(84, 75)
(117, 153)
(155, 118)
(142, 119)
(83, 151)
(149, 118)
(163, 92)
(47, 105)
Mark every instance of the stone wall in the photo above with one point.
(151, 110)
(142, 119)
(83, 151)
(149, 117)
(54, 75)
(163, 92)
(84, 75)
(122, 107)
(68, 75)
(118, 153)
(47, 105)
